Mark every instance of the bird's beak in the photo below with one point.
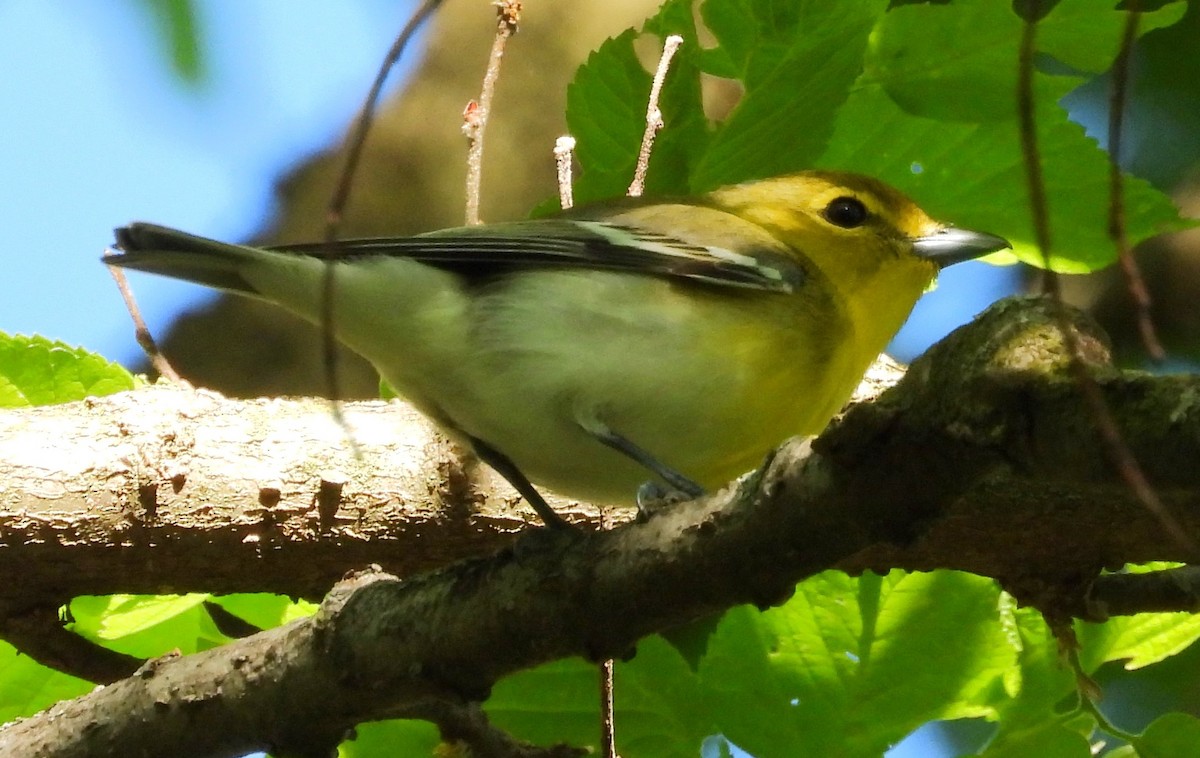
(950, 245)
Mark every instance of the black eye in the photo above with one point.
(846, 212)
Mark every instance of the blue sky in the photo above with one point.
(99, 132)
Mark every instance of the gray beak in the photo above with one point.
(950, 245)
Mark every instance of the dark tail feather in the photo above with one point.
(169, 252)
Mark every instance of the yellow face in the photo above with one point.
(806, 204)
(857, 230)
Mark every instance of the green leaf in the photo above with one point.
(146, 625)
(1140, 640)
(957, 62)
(391, 738)
(972, 175)
(659, 710)
(38, 371)
(1033, 718)
(1086, 34)
(1053, 741)
(179, 35)
(554, 702)
(797, 71)
(849, 667)
(264, 610)
(606, 112)
(921, 96)
(950, 62)
(1170, 736)
(27, 687)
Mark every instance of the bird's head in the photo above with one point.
(853, 227)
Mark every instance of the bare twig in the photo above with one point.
(608, 721)
(1090, 694)
(475, 116)
(1116, 209)
(341, 196)
(564, 148)
(140, 331)
(1106, 427)
(654, 119)
(607, 668)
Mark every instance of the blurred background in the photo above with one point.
(226, 119)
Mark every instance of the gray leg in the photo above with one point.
(507, 469)
(625, 446)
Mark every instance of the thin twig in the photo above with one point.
(1090, 694)
(608, 721)
(475, 116)
(140, 331)
(608, 709)
(1106, 426)
(564, 149)
(1033, 162)
(654, 118)
(335, 211)
(1116, 209)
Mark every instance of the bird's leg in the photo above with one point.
(507, 469)
(651, 494)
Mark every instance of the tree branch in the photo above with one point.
(167, 489)
(1013, 484)
(40, 634)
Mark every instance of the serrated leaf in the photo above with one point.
(658, 708)
(1138, 640)
(38, 371)
(957, 62)
(1045, 678)
(929, 106)
(949, 62)
(797, 67)
(1029, 718)
(849, 667)
(972, 175)
(606, 113)
(1086, 34)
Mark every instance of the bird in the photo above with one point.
(619, 351)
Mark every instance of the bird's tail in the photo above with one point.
(161, 250)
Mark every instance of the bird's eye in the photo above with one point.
(846, 212)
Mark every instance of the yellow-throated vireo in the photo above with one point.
(670, 340)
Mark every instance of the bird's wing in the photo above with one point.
(631, 241)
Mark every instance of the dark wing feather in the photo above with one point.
(496, 249)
